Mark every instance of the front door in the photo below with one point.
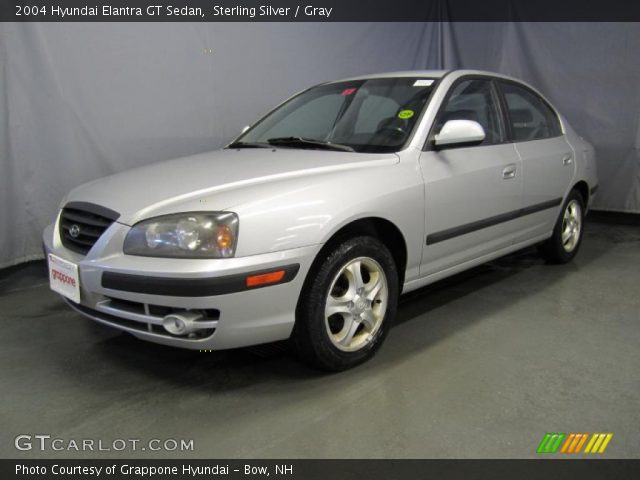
(471, 193)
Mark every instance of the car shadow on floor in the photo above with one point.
(425, 317)
(228, 370)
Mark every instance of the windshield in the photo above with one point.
(376, 115)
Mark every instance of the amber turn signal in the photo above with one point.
(224, 237)
(265, 278)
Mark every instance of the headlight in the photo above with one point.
(185, 235)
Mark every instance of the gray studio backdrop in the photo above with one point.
(80, 101)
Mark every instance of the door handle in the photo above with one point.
(509, 172)
(567, 159)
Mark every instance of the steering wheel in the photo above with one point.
(395, 131)
(390, 128)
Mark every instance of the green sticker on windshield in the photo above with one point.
(405, 114)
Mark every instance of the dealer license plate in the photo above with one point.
(64, 278)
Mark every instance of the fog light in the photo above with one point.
(181, 323)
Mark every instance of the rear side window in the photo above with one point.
(530, 117)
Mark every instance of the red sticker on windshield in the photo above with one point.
(348, 91)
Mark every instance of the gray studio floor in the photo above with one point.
(481, 365)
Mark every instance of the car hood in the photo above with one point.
(162, 187)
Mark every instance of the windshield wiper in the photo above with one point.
(308, 143)
(247, 145)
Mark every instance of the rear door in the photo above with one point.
(548, 162)
(470, 192)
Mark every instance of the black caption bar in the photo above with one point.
(319, 10)
(318, 469)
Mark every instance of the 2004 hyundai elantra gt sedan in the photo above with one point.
(310, 224)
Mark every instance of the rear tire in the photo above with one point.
(347, 305)
(563, 245)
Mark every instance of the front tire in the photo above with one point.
(347, 305)
(567, 233)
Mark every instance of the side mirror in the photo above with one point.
(460, 133)
(247, 127)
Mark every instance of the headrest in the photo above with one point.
(521, 118)
(461, 115)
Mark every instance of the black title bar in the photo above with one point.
(319, 11)
(546, 469)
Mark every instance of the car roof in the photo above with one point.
(428, 74)
(406, 73)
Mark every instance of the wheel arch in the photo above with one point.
(382, 229)
(583, 189)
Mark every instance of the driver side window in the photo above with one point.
(372, 110)
(474, 100)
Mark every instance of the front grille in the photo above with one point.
(82, 224)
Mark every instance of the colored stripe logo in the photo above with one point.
(598, 443)
(551, 442)
(573, 443)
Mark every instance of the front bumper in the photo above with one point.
(133, 293)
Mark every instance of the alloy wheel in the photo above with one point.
(356, 304)
(571, 226)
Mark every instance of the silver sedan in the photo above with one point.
(311, 224)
